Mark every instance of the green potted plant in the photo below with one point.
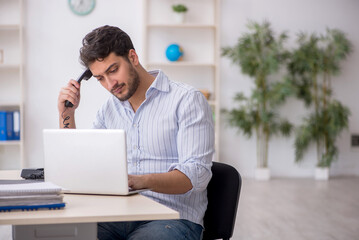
(311, 68)
(180, 11)
(260, 54)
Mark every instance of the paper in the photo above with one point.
(29, 188)
(26, 195)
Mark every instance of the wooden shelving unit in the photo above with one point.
(11, 78)
(198, 36)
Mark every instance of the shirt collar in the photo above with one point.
(161, 83)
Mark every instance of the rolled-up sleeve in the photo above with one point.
(195, 140)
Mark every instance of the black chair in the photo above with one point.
(223, 194)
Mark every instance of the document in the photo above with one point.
(30, 196)
(29, 188)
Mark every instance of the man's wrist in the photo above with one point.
(146, 180)
(67, 119)
(67, 112)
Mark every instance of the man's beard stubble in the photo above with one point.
(133, 83)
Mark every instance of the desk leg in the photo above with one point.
(78, 231)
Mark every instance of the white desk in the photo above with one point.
(90, 209)
(93, 208)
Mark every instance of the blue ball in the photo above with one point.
(174, 52)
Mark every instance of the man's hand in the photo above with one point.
(174, 182)
(137, 182)
(71, 92)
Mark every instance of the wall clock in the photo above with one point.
(82, 7)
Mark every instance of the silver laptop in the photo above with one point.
(90, 161)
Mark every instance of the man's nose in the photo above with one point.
(111, 83)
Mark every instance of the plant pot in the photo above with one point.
(179, 17)
(1, 56)
(262, 174)
(321, 173)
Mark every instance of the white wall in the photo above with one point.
(292, 16)
(53, 37)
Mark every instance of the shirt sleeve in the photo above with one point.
(99, 122)
(195, 140)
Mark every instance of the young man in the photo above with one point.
(169, 130)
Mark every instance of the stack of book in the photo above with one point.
(30, 196)
(9, 125)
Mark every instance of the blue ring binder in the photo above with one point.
(33, 207)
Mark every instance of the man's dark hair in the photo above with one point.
(99, 43)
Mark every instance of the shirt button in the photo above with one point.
(135, 125)
(135, 147)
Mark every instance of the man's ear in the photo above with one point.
(132, 56)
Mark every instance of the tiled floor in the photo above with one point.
(302, 209)
(292, 209)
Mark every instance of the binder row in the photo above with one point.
(9, 125)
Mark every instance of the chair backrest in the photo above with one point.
(223, 194)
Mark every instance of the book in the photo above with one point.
(16, 126)
(32, 207)
(29, 189)
(30, 196)
(33, 199)
(9, 125)
(3, 130)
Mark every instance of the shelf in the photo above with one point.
(9, 106)
(185, 25)
(199, 38)
(11, 77)
(6, 27)
(181, 64)
(9, 66)
(212, 103)
(10, 143)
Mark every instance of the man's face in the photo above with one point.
(117, 75)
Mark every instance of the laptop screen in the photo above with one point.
(91, 161)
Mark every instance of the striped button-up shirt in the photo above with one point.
(172, 129)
